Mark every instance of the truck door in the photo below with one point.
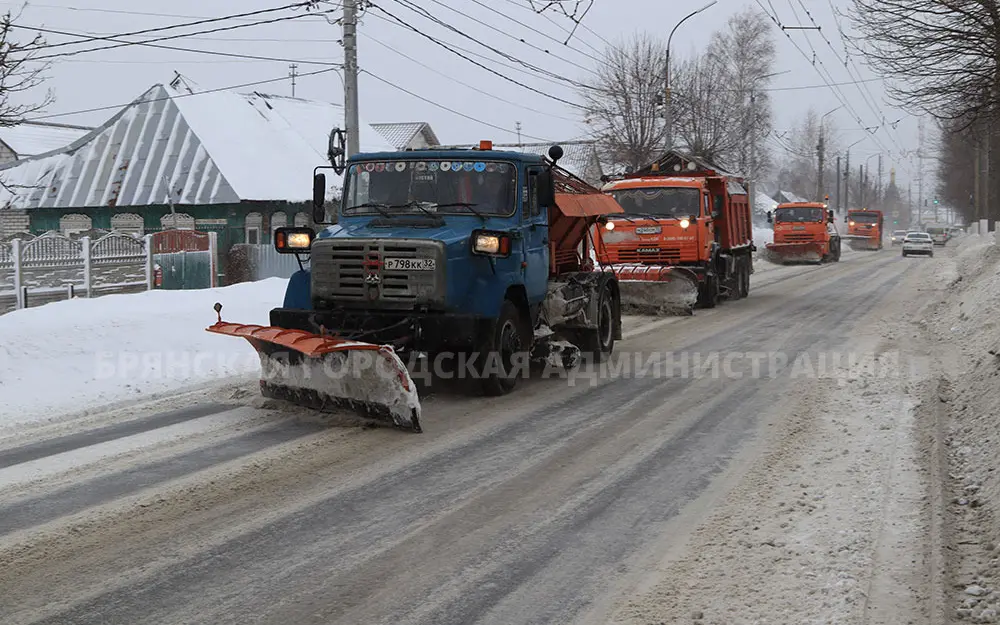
(536, 240)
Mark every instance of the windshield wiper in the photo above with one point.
(378, 206)
(415, 204)
(467, 205)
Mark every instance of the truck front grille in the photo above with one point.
(796, 238)
(353, 270)
(649, 255)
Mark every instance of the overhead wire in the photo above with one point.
(145, 31)
(464, 84)
(186, 95)
(448, 109)
(147, 42)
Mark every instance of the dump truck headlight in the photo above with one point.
(293, 240)
(610, 225)
(491, 244)
(685, 223)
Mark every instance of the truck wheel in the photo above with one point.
(505, 347)
(600, 342)
(708, 294)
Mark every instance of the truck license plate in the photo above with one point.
(409, 264)
(648, 230)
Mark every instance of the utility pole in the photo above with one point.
(909, 202)
(351, 77)
(838, 184)
(920, 172)
(819, 152)
(293, 74)
(878, 184)
(861, 183)
(847, 182)
(978, 201)
(517, 125)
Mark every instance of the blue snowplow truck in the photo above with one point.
(477, 258)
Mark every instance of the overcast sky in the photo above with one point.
(111, 78)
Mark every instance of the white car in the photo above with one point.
(918, 243)
(897, 236)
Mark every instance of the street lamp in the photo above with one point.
(847, 174)
(667, 111)
(821, 153)
(864, 181)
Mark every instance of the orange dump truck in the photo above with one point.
(803, 232)
(685, 239)
(864, 229)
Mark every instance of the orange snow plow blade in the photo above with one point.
(656, 289)
(324, 371)
(780, 253)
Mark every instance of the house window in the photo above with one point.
(278, 220)
(177, 221)
(127, 222)
(73, 224)
(254, 224)
(301, 219)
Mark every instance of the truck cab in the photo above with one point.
(865, 227)
(804, 231)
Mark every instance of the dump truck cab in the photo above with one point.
(803, 232)
(865, 229)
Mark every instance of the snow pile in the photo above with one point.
(83, 353)
(762, 236)
(967, 332)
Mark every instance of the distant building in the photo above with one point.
(407, 135)
(29, 139)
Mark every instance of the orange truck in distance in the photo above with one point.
(685, 239)
(864, 229)
(803, 232)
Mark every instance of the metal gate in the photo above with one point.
(182, 259)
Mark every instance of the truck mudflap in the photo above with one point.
(805, 252)
(656, 289)
(322, 372)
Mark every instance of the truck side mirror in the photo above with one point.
(830, 216)
(845, 219)
(770, 219)
(319, 198)
(545, 188)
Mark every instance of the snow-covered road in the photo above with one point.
(721, 471)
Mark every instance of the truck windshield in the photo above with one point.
(864, 218)
(439, 186)
(800, 215)
(659, 201)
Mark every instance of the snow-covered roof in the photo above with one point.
(34, 138)
(207, 148)
(764, 202)
(401, 134)
(788, 196)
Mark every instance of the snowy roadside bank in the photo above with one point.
(79, 354)
(966, 403)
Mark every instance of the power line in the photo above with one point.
(148, 42)
(114, 11)
(163, 28)
(477, 63)
(453, 79)
(568, 31)
(187, 95)
(428, 15)
(445, 108)
(167, 47)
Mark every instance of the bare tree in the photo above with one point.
(704, 110)
(797, 168)
(744, 53)
(622, 104)
(19, 74)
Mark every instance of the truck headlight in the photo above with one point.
(293, 240)
(685, 223)
(610, 225)
(491, 244)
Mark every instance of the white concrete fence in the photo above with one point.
(54, 266)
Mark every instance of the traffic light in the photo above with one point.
(895, 221)
(935, 201)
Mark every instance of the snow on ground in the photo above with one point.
(967, 335)
(78, 354)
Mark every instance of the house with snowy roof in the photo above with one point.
(31, 138)
(239, 164)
